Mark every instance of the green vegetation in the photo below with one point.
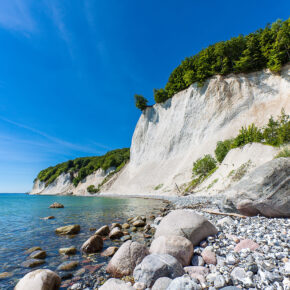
(241, 171)
(82, 167)
(283, 153)
(265, 48)
(140, 102)
(202, 166)
(92, 189)
(213, 183)
(158, 186)
(275, 133)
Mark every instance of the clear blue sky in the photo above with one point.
(69, 70)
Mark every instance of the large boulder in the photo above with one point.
(116, 233)
(263, 191)
(126, 258)
(116, 284)
(93, 245)
(155, 266)
(42, 279)
(186, 223)
(176, 246)
(68, 230)
(161, 283)
(103, 231)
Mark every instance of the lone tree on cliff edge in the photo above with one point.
(140, 102)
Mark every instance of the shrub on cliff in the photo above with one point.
(140, 102)
(222, 149)
(160, 95)
(203, 166)
(92, 189)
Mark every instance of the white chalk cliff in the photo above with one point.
(169, 137)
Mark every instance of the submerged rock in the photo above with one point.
(186, 223)
(68, 251)
(31, 263)
(33, 249)
(38, 254)
(68, 230)
(126, 258)
(5, 275)
(93, 245)
(156, 266)
(56, 205)
(264, 191)
(67, 266)
(42, 279)
(176, 246)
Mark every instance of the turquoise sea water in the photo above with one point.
(21, 226)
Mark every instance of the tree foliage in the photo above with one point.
(80, 168)
(140, 102)
(202, 166)
(265, 48)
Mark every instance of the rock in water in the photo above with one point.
(103, 231)
(263, 191)
(67, 266)
(42, 279)
(109, 252)
(156, 266)
(115, 233)
(68, 230)
(176, 246)
(31, 263)
(56, 205)
(186, 223)
(38, 254)
(68, 251)
(33, 249)
(116, 284)
(126, 258)
(93, 245)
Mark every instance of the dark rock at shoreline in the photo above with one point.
(38, 254)
(68, 230)
(109, 252)
(115, 233)
(68, 251)
(51, 217)
(33, 249)
(56, 205)
(93, 245)
(31, 263)
(67, 266)
(103, 231)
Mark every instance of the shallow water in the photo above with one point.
(21, 226)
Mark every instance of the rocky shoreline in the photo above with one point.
(235, 251)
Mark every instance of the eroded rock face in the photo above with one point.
(68, 230)
(156, 266)
(264, 191)
(126, 258)
(93, 245)
(176, 246)
(116, 284)
(42, 279)
(186, 223)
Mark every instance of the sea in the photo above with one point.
(22, 227)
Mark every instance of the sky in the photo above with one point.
(69, 70)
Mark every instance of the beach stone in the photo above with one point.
(126, 258)
(219, 281)
(155, 266)
(161, 283)
(239, 275)
(230, 288)
(5, 275)
(176, 246)
(125, 226)
(197, 272)
(258, 193)
(139, 223)
(68, 251)
(225, 221)
(139, 286)
(116, 225)
(134, 229)
(38, 255)
(31, 263)
(126, 238)
(56, 205)
(67, 266)
(246, 244)
(51, 217)
(116, 284)
(183, 283)
(93, 245)
(115, 233)
(42, 279)
(197, 261)
(109, 252)
(232, 259)
(186, 223)
(103, 231)
(68, 230)
(209, 256)
(33, 249)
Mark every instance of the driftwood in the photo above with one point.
(223, 213)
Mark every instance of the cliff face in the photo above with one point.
(169, 137)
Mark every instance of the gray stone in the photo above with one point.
(197, 261)
(155, 266)
(232, 259)
(31, 263)
(126, 258)
(239, 275)
(116, 284)
(219, 282)
(41, 279)
(183, 283)
(186, 223)
(263, 191)
(161, 283)
(176, 246)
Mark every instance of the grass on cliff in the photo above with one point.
(80, 168)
